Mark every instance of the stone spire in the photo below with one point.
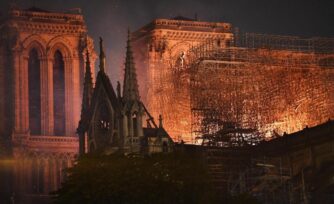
(86, 100)
(130, 85)
(88, 89)
(102, 56)
(160, 121)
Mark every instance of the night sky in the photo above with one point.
(110, 18)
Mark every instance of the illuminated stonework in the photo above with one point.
(161, 50)
(199, 71)
(42, 57)
(272, 91)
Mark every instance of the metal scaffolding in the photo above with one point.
(230, 85)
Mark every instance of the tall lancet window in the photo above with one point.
(103, 123)
(34, 88)
(134, 124)
(59, 93)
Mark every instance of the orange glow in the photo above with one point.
(284, 92)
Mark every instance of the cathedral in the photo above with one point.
(42, 61)
(113, 121)
(46, 70)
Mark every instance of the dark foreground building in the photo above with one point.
(294, 168)
(113, 121)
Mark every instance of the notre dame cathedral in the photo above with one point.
(46, 74)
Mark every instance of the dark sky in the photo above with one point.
(110, 18)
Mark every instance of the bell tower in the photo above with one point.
(42, 64)
(162, 50)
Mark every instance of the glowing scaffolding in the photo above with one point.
(259, 87)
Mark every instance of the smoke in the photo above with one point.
(111, 18)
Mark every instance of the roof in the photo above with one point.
(103, 80)
(36, 9)
(308, 136)
(155, 132)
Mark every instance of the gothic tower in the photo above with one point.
(162, 50)
(42, 60)
(132, 106)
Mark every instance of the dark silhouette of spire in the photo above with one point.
(102, 56)
(130, 85)
(87, 92)
(86, 100)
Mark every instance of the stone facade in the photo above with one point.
(201, 75)
(41, 75)
(162, 48)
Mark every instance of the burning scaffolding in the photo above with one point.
(259, 88)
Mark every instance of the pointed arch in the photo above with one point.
(59, 43)
(103, 119)
(34, 91)
(59, 93)
(34, 42)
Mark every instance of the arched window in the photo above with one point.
(103, 126)
(59, 93)
(104, 118)
(34, 89)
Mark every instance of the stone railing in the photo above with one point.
(63, 139)
(168, 22)
(46, 15)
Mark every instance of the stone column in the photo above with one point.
(125, 128)
(47, 111)
(52, 174)
(28, 175)
(130, 128)
(46, 170)
(24, 93)
(56, 172)
(76, 97)
(17, 93)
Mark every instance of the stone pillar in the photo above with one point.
(76, 97)
(24, 93)
(53, 175)
(125, 129)
(28, 175)
(130, 128)
(46, 181)
(18, 128)
(47, 111)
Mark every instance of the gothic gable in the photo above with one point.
(105, 110)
